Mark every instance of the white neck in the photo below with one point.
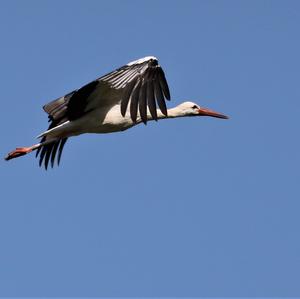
(114, 121)
(172, 113)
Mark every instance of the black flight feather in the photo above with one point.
(143, 102)
(126, 96)
(134, 101)
(151, 100)
(160, 98)
(163, 84)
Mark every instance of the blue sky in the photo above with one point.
(184, 207)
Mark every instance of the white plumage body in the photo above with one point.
(94, 122)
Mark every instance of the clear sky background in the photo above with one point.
(184, 207)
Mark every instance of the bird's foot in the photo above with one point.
(18, 152)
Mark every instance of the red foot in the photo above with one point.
(18, 152)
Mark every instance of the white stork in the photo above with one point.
(114, 102)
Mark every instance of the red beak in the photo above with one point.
(208, 112)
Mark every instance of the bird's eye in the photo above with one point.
(195, 107)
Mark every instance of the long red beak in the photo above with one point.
(208, 112)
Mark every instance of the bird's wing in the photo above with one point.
(72, 105)
(140, 83)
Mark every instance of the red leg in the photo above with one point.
(18, 152)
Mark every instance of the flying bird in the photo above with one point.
(114, 102)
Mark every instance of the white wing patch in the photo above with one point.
(141, 60)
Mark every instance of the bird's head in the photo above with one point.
(192, 109)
